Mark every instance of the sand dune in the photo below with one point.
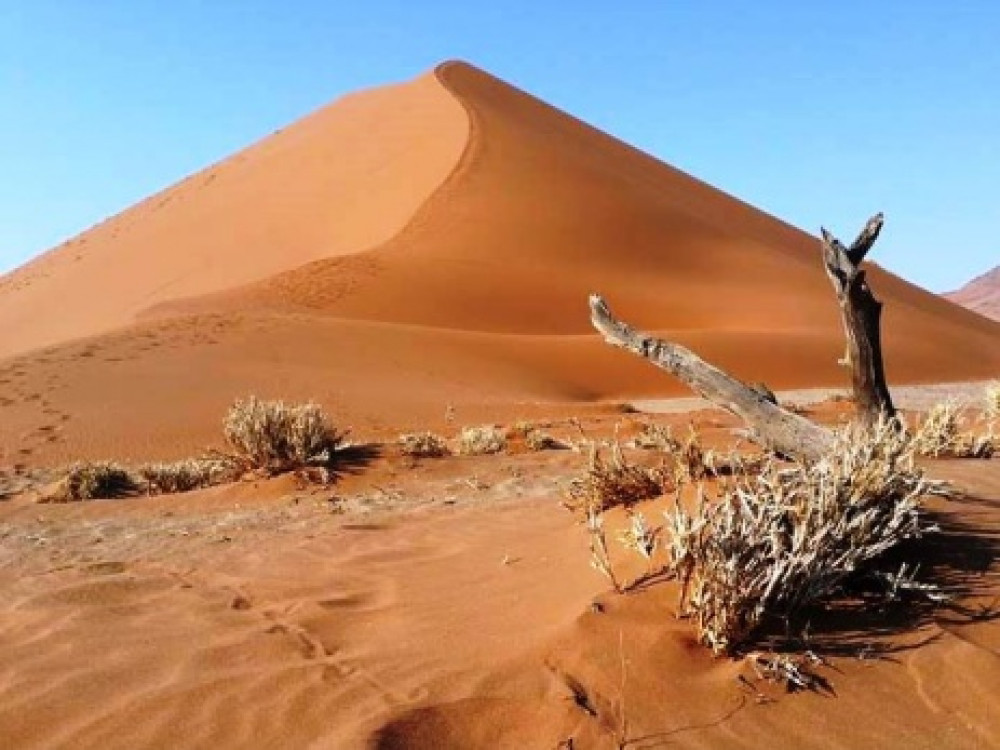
(982, 294)
(405, 253)
(417, 246)
(346, 178)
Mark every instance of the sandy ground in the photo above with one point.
(907, 397)
(444, 603)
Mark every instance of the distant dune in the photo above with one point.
(982, 294)
(416, 247)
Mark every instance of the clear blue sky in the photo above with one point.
(815, 112)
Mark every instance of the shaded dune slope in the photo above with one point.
(419, 246)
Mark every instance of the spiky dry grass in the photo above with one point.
(481, 441)
(941, 433)
(188, 474)
(94, 480)
(273, 437)
(423, 445)
(794, 535)
(655, 437)
(615, 481)
(992, 409)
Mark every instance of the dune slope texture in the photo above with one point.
(418, 246)
(982, 294)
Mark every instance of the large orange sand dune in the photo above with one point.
(419, 246)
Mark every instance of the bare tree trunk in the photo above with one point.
(773, 427)
(861, 314)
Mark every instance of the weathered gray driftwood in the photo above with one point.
(861, 315)
(771, 426)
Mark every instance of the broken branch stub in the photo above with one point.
(861, 316)
(770, 425)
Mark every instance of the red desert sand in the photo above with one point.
(982, 294)
(419, 257)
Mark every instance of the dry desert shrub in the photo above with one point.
(693, 462)
(608, 483)
(94, 480)
(992, 409)
(481, 441)
(655, 437)
(940, 433)
(537, 440)
(187, 474)
(423, 445)
(794, 535)
(534, 438)
(274, 437)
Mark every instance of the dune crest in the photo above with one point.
(340, 180)
(427, 245)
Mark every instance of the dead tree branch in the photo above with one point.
(771, 426)
(861, 315)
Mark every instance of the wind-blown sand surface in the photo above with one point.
(415, 257)
(982, 294)
(450, 606)
(420, 246)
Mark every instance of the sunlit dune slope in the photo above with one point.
(418, 246)
(982, 294)
(343, 179)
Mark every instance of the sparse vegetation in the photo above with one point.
(94, 480)
(423, 445)
(794, 535)
(273, 437)
(992, 410)
(534, 438)
(655, 437)
(187, 474)
(537, 440)
(481, 441)
(940, 433)
(613, 482)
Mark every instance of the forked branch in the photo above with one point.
(861, 316)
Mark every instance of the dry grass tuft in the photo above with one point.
(187, 474)
(692, 462)
(481, 441)
(536, 440)
(94, 480)
(273, 437)
(992, 410)
(940, 433)
(423, 445)
(655, 437)
(792, 536)
(614, 482)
